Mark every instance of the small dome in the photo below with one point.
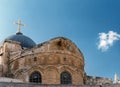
(24, 40)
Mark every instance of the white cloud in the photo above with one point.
(106, 40)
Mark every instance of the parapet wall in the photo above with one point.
(11, 84)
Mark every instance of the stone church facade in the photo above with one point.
(57, 61)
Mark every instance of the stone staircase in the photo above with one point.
(11, 84)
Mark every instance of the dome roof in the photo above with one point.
(24, 40)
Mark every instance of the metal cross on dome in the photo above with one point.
(19, 25)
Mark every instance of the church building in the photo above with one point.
(57, 61)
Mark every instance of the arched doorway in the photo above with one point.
(35, 77)
(65, 78)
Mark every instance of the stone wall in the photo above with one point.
(50, 59)
(5, 84)
(4, 79)
(92, 80)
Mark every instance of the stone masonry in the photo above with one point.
(11, 84)
(50, 59)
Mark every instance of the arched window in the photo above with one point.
(35, 77)
(65, 78)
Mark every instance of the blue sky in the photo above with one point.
(87, 23)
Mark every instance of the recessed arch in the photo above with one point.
(35, 77)
(65, 78)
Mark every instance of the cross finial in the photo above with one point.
(19, 25)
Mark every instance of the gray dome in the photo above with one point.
(24, 40)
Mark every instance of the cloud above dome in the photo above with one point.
(106, 40)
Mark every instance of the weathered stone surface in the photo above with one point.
(3, 79)
(92, 80)
(50, 59)
(11, 84)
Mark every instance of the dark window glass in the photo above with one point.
(35, 77)
(35, 59)
(65, 78)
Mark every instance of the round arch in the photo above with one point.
(65, 78)
(35, 77)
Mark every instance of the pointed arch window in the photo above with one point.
(35, 77)
(65, 78)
